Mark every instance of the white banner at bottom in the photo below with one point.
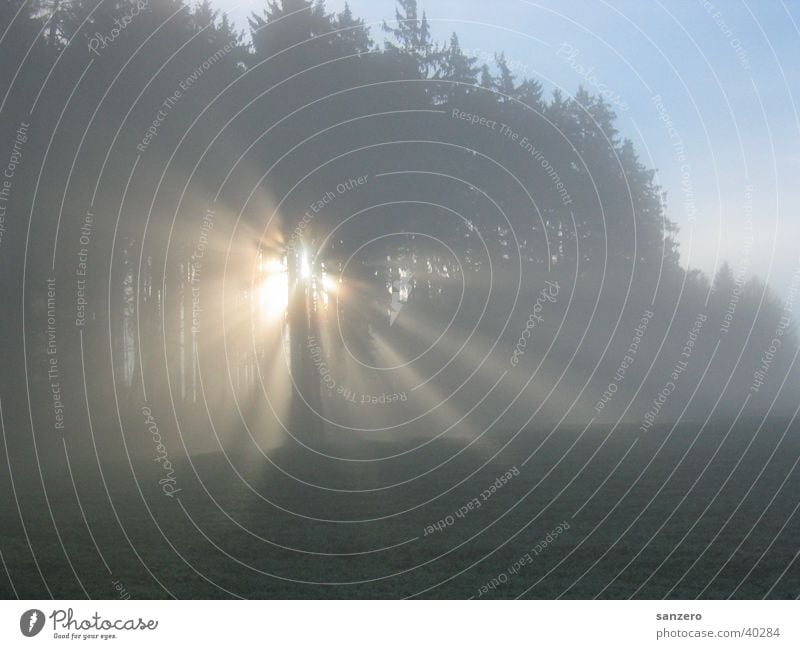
(355, 624)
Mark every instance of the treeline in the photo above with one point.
(197, 151)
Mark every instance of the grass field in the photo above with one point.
(678, 513)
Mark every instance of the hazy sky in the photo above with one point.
(726, 75)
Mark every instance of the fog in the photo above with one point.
(284, 290)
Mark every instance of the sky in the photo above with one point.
(705, 90)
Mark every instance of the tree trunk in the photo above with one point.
(304, 422)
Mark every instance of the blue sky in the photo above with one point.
(726, 73)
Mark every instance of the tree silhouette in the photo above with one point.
(313, 100)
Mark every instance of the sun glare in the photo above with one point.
(305, 266)
(274, 289)
(328, 283)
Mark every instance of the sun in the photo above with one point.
(273, 291)
(273, 285)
